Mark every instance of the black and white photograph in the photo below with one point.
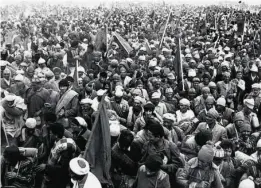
(130, 93)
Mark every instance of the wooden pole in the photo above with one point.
(165, 29)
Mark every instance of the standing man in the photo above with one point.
(67, 106)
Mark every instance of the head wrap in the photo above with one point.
(239, 117)
(213, 113)
(118, 93)
(171, 76)
(169, 90)
(30, 123)
(7, 71)
(115, 128)
(212, 84)
(210, 99)
(206, 153)
(256, 85)
(156, 95)
(250, 103)
(205, 89)
(184, 102)
(86, 101)
(101, 92)
(254, 68)
(41, 61)
(169, 116)
(245, 127)
(221, 101)
(79, 166)
(10, 97)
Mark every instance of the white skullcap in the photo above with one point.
(3, 63)
(258, 145)
(79, 166)
(81, 121)
(86, 101)
(118, 93)
(30, 123)
(100, 92)
(256, 85)
(254, 68)
(221, 101)
(10, 97)
(115, 128)
(185, 102)
(152, 63)
(41, 61)
(155, 95)
(191, 73)
(19, 77)
(250, 103)
(169, 116)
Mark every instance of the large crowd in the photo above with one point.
(177, 89)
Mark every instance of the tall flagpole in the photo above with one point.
(165, 29)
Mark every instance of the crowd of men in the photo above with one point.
(180, 86)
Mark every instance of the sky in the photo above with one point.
(97, 2)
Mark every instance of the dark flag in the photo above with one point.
(152, 14)
(101, 40)
(178, 64)
(98, 148)
(123, 45)
(240, 24)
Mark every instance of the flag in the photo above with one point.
(178, 64)
(240, 25)
(98, 148)
(123, 44)
(101, 40)
(152, 14)
(75, 75)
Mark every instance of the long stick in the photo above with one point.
(165, 30)
(216, 42)
(3, 126)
